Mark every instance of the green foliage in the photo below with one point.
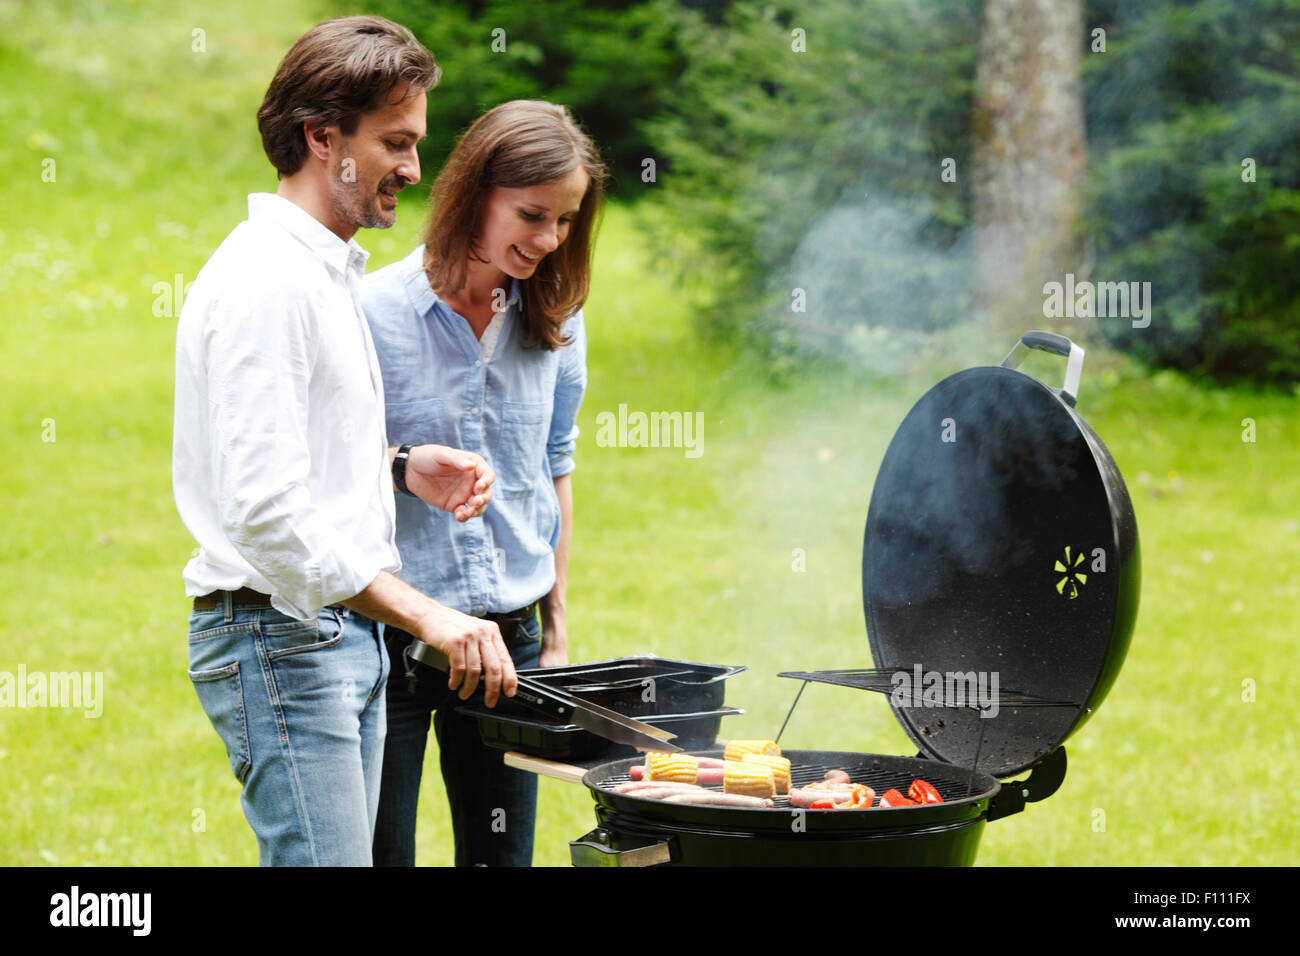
(806, 146)
(1182, 97)
(611, 62)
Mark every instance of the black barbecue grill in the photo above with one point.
(1000, 542)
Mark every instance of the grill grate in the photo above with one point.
(950, 786)
(882, 681)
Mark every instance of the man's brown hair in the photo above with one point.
(517, 144)
(336, 72)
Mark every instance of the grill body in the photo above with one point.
(638, 831)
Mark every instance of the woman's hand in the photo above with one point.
(459, 482)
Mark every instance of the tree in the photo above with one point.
(1193, 116)
(809, 148)
(1029, 156)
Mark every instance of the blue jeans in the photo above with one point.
(493, 807)
(300, 708)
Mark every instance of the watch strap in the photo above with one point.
(399, 470)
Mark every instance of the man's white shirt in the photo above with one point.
(280, 454)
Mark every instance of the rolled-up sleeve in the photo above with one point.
(260, 357)
(570, 386)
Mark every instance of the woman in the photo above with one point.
(480, 338)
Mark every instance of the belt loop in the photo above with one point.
(228, 601)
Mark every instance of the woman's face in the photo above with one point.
(522, 226)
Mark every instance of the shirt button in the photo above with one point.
(478, 362)
(473, 411)
(479, 609)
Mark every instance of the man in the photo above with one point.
(281, 466)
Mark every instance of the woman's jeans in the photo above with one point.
(300, 708)
(492, 806)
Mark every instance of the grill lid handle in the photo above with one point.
(1043, 781)
(1057, 345)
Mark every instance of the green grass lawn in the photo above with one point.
(155, 149)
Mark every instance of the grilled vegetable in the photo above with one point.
(923, 792)
(677, 768)
(736, 749)
(893, 798)
(780, 767)
(750, 779)
(860, 799)
(710, 772)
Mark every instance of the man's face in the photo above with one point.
(377, 161)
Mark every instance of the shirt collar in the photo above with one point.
(422, 295)
(334, 252)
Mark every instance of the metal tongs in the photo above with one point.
(553, 702)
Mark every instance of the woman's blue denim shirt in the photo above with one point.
(518, 410)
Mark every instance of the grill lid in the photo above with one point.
(1000, 558)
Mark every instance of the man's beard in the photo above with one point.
(353, 204)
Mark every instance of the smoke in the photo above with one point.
(876, 282)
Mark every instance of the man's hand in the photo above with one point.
(456, 481)
(474, 648)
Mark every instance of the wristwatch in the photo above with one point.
(399, 470)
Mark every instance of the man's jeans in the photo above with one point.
(493, 806)
(300, 708)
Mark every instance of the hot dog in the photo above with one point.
(647, 787)
(804, 796)
(837, 793)
(714, 799)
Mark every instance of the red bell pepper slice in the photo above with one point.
(893, 798)
(923, 792)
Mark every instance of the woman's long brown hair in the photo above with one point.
(519, 143)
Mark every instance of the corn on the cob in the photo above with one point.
(780, 767)
(750, 779)
(736, 749)
(677, 768)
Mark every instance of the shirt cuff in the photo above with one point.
(561, 465)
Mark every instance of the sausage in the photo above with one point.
(669, 794)
(714, 799)
(643, 788)
(837, 776)
(804, 796)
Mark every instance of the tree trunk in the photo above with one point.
(1029, 160)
